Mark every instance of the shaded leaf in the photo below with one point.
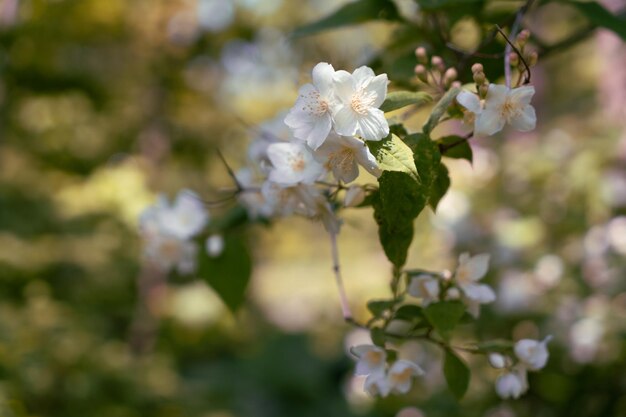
(495, 346)
(378, 336)
(398, 99)
(409, 312)
(229, 273)
(457, 374)
(599, 16)
(444, 316)
(439, 187)
(353, 13)
(456, 147)
(378, 307)
(440, 109)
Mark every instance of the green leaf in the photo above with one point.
(457, 374)
(398, 99)
(438, 4)
(440, 109)
(378, 307)
(440, 186)
(444, 316)
(497, 345)
(409, 312)
(456, 147)
(378, 336)
(229, 273)
(398, 202)
(392, 154)
(599, 16)
(353, 13)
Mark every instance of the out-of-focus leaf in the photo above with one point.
(495, 346)
(378, 336)
(378, 307)
(440, 110)
(229, 273)
(440, 186)
(398, 99)
(353, 13)
(439, 4)
(600, 16)
(409, 312)
(456, 147)
(457, 374)
(444, 316)
(392, 154)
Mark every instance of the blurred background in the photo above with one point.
(106, 103)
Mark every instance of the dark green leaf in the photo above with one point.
(495, 346)
(398, 99)
(457, 374)
(600, 16)
(353, 13)
(440, 186)
(455, 147)
(409, 312)
(439, 4)
(392, 154)
(444, 316)
(229, 273)
(392, 355)
(378, 307)
(398, 130)
(440, 109)
(378, 336)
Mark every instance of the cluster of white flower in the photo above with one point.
(329, 124)
(383, 379)
(463, 284)
(531, 355)
(167, 230)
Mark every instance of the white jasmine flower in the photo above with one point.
(167, 252)
(271, 131)
(281, 200)
(342, 155)
(453, 294)
(377, 384)
(293, 163)
(497, 360)
(214, 245)
(310, 118)
(360, 95)
(252, 197)
(533, 353)
(371, 359)
(469, 271)
(512, 384)
(400, 376)
(425, 287)
(354, 196)
(472, 103)
(183, 219)
(504, 105)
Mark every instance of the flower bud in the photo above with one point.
(479, 78)
(449, 76)
(422, 56)
(497, 360)
(522, 37)
(214, 245)
(453, 294)
(514, 59)
(456, 84)
(477, 68)
(482, 90)
(354, 196)
(421, 73)
(437, 63)
(532, 59)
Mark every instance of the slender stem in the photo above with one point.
(509, 43)
(508, 48)
(345, 307)
(230, 171)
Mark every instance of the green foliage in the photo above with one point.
(378, 307)
(444, 316)
(440, 186)
(409, 312)
(440, 109)
(392, 154)
(456, 147)
(399, 99)
(457, 374)
(433, 174)
(378, 336)
(353, 13)
(229, 273)
(599, 16)
(439, 4)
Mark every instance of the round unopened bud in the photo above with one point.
(514, 59)
(477, 68)
(479, 78)
(453, 294)
(422, 56)
(482, 90)
(421, 73)
(522, 37)
(497, 360)
(456, 84)
(355, 195)
(450, 75)
(437, 62)
(532, 59)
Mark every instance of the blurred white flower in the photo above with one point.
(400, 375)
(469, 271)
(343, 154)
(425, 287)
(310, 118)
(183, 219)
(293, 163)
(168, 252)
(360, 95)
(354, 196)
(371, 359)
(501, 106)
(512, 384)
(497, 360)
(377, 384)
(533, 353)
(410, 411)
(215, 15)
(214, 245)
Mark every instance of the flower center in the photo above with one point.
(509, 110)
(314, 104)
(401, 377)
(297, 163)
(374, 357)
(362, 101)
(342, 159)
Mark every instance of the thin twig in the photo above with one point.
(508, 41)
(230, 171)
(345, 307)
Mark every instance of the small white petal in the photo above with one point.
(345, 121)
(477, 266)
(373, 126)
(378, 86)
(322, 76)
(344, 86)
(363, 76)
(526, 120)
(496, 96)
(497, 360)
(522, 95)
(488, 122)
(470, 101)
(354, 196)
(479, 293)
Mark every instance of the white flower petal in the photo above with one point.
(479, 293)
(477, 266)
(488, 122)
(362, 76)
(344, 86)
(322, 75)
(373, 126)
(522, 95)
(496, 96)
(470, 101)
(526, 120)
(378, 86)
(345, 121)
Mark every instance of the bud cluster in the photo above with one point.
(434, 72)
(482, 83)
(529, 56)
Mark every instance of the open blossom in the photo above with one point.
(168, 252)
(311, 117)
(398, 379)
(183, 219)
(533, 353)
(512, 384)
(425, 287)
(359, 96)
(502, 106)
(293, 163)
(468, 273)
(371, 359)
(343, 154)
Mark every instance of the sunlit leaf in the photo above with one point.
(399, 99)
